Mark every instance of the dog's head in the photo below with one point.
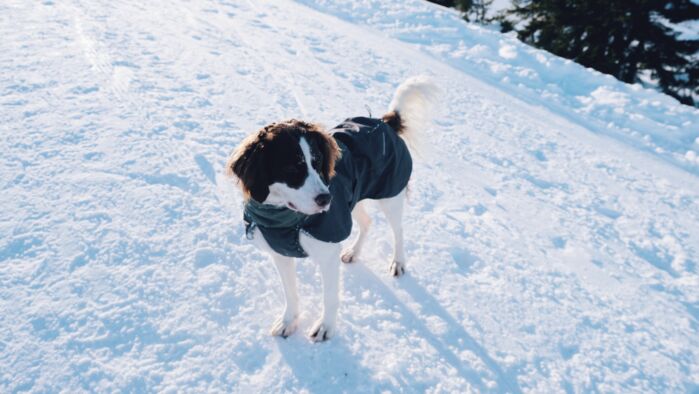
(287, 164)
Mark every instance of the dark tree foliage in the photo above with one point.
(472, 9)
(617, 37)
(479, 10)
(446, 3)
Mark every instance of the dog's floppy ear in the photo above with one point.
(247, 162)
(329, 150)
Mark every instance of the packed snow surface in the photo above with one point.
(552, 227)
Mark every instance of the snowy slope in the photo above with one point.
(553, 231)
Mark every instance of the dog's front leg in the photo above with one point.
(329, 266)
(327, 256)
(286, 323)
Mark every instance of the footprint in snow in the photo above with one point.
(186, 125)
(206, 167)
(204, 257)
(559, 242)
(539, 155)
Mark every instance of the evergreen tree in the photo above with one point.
(446, 3)
(475, 10)
(479, 10)
(472, 9)
(617, 37)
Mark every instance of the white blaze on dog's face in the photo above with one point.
(287, 164)
(313, 196)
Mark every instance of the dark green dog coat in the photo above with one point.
(375, 164)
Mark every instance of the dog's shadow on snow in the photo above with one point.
(325, 367)
(337, 365)
(455, 337)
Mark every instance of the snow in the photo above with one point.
(533, 75)
(552, 234)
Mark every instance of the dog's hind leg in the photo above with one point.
(393, 209)
(359, 214)
(286, 323)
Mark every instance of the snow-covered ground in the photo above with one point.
(552, 231)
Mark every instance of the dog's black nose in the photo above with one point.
(323, 199)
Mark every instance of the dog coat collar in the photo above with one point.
(272, 216)
(278, 223)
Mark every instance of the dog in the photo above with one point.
(303, 186)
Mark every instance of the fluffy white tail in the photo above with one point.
(415, 101)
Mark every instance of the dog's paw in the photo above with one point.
(321, 331)
(397, 269)
(284, 327)
(348, 255)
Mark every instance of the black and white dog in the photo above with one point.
(303, 186)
